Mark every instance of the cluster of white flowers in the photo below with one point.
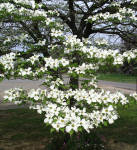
(38, 13)
(41, 42)
(74, 118)
(13, 95)
(55, 63)
(32, 13)
(58, 113)
(93, 82)
(56, 83)
(83, 68)
(8, 6)
(8, 61)
(56, 33)
(75, 44)
(100, 97)
(115, 4)
(26, 2)
(90, 97)
(52, 83)
(29, 72)
(1, 75)
(36, 94)
(101, 42)
(133, 1)
(7, 40)
(130, 54)
(33, 58)
(71, 42)
(102, 53)
(122, 14)
(128, 11)
(24, 72)
(118, 59)
(22, 37)
(48, 63)
(11, 8)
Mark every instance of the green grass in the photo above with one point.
(26, 125)
(125, 128)
(21, 128)
(19, 122)
(117, 77)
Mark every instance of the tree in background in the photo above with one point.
(109, 17)
(4, 45)
(127, 44)
(53, 53)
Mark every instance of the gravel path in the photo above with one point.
(127, 86)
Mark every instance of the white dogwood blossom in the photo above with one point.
(56, 33)
(83, 68)
(24, 72)
(133, 1)
(2, 75)
(101, 42)
(122, 14)
(50, 62)
(58, 114)
(130, 54)
(34, 58)
(26, 2)
(8, 61)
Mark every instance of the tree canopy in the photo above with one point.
(83, 18)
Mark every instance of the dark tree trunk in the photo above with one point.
(73, 85)
(74, 81)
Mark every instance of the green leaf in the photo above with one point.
(52, 130)
(128, 60)
(105, 123)
(80, 129)
(62, 129)
(71, 132)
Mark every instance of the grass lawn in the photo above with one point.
(125, 128)
(117, 77)
(23, 128)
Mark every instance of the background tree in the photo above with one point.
(109, 17)
(130, 43)
(5, 47)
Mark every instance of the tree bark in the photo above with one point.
(73, 85)
(74, 81)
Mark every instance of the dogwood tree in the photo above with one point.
(79, 104)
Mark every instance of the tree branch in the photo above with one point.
(28, 30)
(72, 15)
